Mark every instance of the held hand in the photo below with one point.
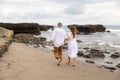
(51, 44)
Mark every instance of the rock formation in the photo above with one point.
(87, 29)
(45, 27)
(6, 33)
(5, 40)
(27, 28)
(29, 39)
(22, 27)
(115, 55)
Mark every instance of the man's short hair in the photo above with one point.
(59, 23)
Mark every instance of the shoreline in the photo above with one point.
(102, 53)
(28, 63)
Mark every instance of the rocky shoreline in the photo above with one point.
(91, 53)
(30, 39)
(8, 36)
(35, 28)
(5, 43)
(27, 28)
(5, 40)
(87, 51)
(87, 29)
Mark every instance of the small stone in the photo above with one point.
(86, 48)
(86, 56)
(108, 67)
(80, 53)
(118, 65)
(107, 52)
(115, 55)
(89, 61)
(108, 31)
(109, 62)
(79, 41)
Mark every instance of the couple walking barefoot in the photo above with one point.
(58, 38)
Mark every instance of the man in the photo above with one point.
(57, 40)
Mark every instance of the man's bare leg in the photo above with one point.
(56, 53)
(60, 55)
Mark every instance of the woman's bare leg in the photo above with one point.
(74, 62)
(68, 62)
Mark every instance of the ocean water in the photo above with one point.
(103, 38)
(98, 39)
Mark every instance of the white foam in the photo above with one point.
(117, 46)
(50, 31)
(117, 32)
(102, 43)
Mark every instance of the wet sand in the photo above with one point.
(23, 62)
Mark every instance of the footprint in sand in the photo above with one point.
(8, 65)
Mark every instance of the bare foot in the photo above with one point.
(73, 65)
(58, 64)
(67, 63)
(59, 61)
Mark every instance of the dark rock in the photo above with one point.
(118, 65)
(79, 41)
(94, 53)
(115, 55)
(107, 52)
(5, 47)
(86, 48)
(80, 53)
(33, 28)
(108, 31)
(23, 38)
(1, 52)
(45, 27)
(30, 39)
(89, 61)
(43, 39)
(18, 28)
(87, 29)
(86, 56)
(94, 50)
(108, 67)
(109, 62)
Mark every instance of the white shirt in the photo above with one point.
(58, 36)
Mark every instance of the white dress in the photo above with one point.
(72, 47)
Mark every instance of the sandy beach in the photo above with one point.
(23, 62)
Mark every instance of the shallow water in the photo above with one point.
(104, 41)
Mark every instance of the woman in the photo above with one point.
(72, 46)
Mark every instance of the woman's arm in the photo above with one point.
(67, 39)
